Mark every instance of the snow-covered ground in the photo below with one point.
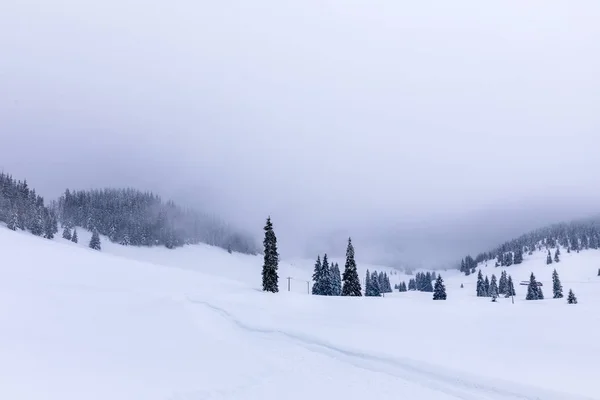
(192, 323)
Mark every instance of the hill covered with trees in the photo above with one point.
(574, 236)
(132, 217)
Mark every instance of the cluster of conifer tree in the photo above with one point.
(377, 283)
(22, 208)
(494, 288)
(327, 279)
(422, 282)
(401, 287)
(131, 217)
(574, 236)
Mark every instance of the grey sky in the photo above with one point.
(329, 115)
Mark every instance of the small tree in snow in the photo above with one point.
(571, 299)
(67, 233)
(439, 291)
(556, 286)
(95, 240)
(74, 238)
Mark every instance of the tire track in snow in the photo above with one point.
(456, 384)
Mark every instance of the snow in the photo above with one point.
(192, 323)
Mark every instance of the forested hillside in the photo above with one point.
(132, 217)
(22, 208)
(571, 237)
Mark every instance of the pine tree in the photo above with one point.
(326, 284)
(510, 287)
(480, 285)
(317, 277)
(412, 284)
(486, 286)
(67, 233)
(74, 238)
(375, 289)
(493, 290)
(270, 278)
(439, 291)
(503, 283)
(13, 223)
(598, 271)
(556, 255)
(557, 289)
(351, 282)
(518, 259)
(388, 285)
(549, 258)
(125, 241)
(533, 290)
(368, 286)
(336, 280)
(462, 286)
(571, 299)
(95, 241)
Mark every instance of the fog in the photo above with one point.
(423, 130)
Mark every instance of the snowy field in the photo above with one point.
(192, 324)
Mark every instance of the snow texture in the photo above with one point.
(192, 323)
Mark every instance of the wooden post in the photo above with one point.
(289, 283)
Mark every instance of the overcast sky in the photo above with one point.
(330, 115)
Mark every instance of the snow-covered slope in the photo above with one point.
(124, 324)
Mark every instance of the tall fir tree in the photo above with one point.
(439, 291)
(317, 277)
(557, 289)
(351, 282)
(503, 283)
(326, 285)
(13, 223)
(337, 280)
(412, 285)
(368, 285)
(510, 286)
(486, 285)
(557, 255)
(75, 238)
(270, 278)
(518, 258)
(480, 285)
(95, 241)
(493, 291)
(375, 281)
(571, 299)
(533, 290)
(549, 258)
(67, 233)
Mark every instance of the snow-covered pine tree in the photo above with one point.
(381, 281)
(337, 280)
(480, 285)
(598, 271)
(557, 255)
(518, 259)
(533, 292)
(375, 289)
(95, 240)
(549, 258)
(351, 282)
(74, 238)
(510, 287)
(368, 285)
(126, 241)
(388, 285)
(557, 289)
(326, 284)
(493, 291)
(270, 278)
(571, 299)
(317, 277)
(503, 283)
(486, 286)
(13, 223)
(67, 233)
(412, 284)
(439, 291)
